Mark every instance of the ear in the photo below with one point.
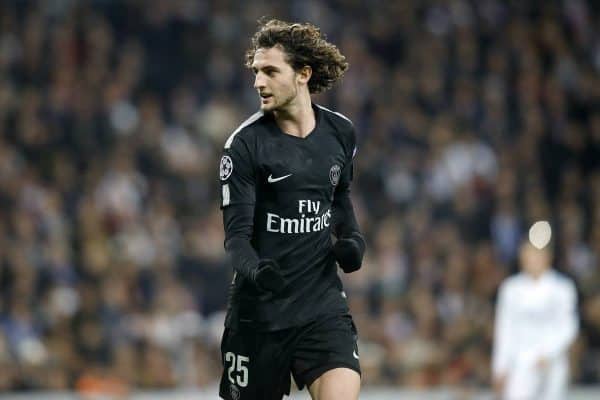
(304, 74)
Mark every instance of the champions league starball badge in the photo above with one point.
(226, 167)
(334, 174)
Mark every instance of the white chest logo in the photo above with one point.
(226, 168)
(334, 174)
(270, 179)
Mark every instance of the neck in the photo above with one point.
(298, 118)
(537, 274)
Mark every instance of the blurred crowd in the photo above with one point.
(474, 119)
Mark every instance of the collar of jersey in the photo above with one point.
(317, 112)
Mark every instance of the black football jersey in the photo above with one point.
(291, 183)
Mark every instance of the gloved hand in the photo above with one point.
(349, 252)
(267, 277)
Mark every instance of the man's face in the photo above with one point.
(275, 79)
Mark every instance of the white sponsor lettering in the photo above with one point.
(277, 224)
(308, 206)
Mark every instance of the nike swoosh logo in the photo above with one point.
(355, 355)
(270, 179)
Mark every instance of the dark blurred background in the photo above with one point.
(475, 119)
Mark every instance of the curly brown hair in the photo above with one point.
(304, 44)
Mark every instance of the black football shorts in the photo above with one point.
(257, 365)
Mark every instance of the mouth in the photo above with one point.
(265, 97)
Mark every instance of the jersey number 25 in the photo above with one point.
(242, 370)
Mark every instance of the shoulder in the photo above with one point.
(342, 125)
(245, 130)
(511, 283)
(337, 119)
(563, 281)
(509, 289)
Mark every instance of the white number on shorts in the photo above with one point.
(242, 377)
(230, 357)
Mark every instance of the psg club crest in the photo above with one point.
(334, 174)
(226, 167)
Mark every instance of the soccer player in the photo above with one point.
(536, 322)
(285, 175)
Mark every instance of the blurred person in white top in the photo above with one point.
(536, 322)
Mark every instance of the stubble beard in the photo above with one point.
(282, 105)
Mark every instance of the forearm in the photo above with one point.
(242, 255)
(263, 273)
(238, 221)
(501, 360)
(504, 337)
(344, 219)
(565, 324)
(563, 336)
(350, 246)
(501, 355)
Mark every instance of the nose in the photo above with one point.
(259, 81)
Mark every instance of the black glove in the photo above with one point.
(267, 276)
(349, 251)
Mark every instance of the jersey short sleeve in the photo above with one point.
(236, 175)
